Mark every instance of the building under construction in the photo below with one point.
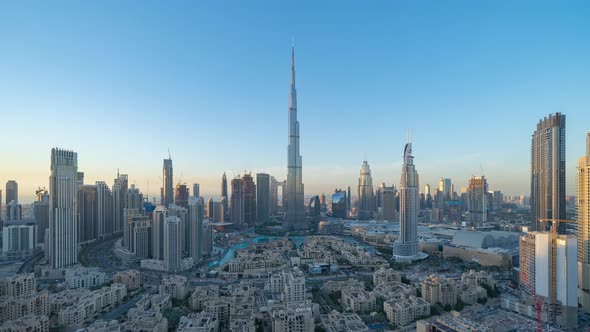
(548, 274)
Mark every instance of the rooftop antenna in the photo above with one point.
(293, 40)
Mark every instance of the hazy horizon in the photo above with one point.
(210, 82)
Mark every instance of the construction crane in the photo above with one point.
(537, 300)
(553, 294)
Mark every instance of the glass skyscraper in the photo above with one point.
(548, 172)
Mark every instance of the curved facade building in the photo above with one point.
(315, 207)
(406, 247)
(365, 193)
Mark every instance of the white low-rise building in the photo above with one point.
(66, 298)
(104, 326)
(39, 323)
(439, 290)
(19, 241)
(130, 278)
(176, 286)
(336, 321)
(332, 286)
(201, 294)
(289, 286)
(386, 276)
(158, 265)
(84, 277)
(147, 314)
(15, 307)
(406, 310)
(393, 291)
(471, 294)
(292, 318)
(358, 300)
(81, 312)
(199, 322)
(477, 278)
(19, 284)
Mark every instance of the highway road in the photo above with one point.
(101, 254)
(121, 309)
(29, 265)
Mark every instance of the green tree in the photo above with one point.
(492, 291)
(335, 296)
(460, 305)
(319, 328)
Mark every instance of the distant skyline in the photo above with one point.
(120, 84)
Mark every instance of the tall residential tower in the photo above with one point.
(224, 197)
(294, 204)
(168, 184)
(262, 197)
(477, 200)
(63, 221)
(548, 172)
(584, 228)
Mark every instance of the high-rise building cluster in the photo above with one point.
(177, 233)
(73, 213)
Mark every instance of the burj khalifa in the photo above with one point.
(294, 205)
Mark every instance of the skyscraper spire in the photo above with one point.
(294, 205)
(293, 91)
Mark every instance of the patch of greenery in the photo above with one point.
(379, 305)
(460, 305)
(406, 280)
(173, 316)
(335, 296)
(385, 251)
(179, 303)
(482, 301)
(492, 291)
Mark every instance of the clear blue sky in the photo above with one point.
(120, 82)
